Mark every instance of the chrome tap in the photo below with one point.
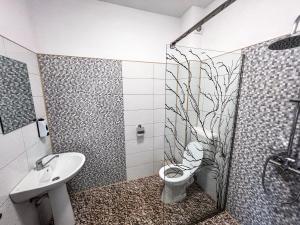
(286, 160)
(39, 165)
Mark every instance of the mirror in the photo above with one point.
(16, 102)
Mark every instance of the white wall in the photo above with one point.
(15, 22)
(98, 29)
(247, 22)
(187, 20)
(22, 147)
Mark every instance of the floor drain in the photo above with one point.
(55, 178)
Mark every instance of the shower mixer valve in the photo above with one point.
(287, 160)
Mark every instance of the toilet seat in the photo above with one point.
(185, 173)
(175, 187)
(191, 153)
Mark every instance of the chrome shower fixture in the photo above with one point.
(296, 23)
(287, 161)
(292, 41)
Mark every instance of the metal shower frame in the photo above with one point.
(198, 25)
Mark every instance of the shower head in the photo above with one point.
(292, 41)
(286, 43)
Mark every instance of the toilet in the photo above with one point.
(177, 177)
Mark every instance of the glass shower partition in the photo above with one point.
(201, 97)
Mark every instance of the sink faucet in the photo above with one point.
(39, 165)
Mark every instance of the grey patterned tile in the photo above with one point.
(84, 98)
(265, 114)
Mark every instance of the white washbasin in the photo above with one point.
(59, 170)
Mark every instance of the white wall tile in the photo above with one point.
(11, 175)
(181, 132)
(138, 117)
(136, 146)
(230, 106)
(137, 102)
(140, 171)
(12, 145)
(193, 117)
(137, 69)
(2, 49)
(40, 149)
(130, 131)
(209, 121)
(36, 85)
(172, 84)
(18, 214)
(195, 69)
(168, 131)
(173, 69)
(159, 71)
(171, 100)
(140, 158)
(171, 115)
(30, 135)
(159, 101)
(21, 54)
(157, 166)
(159, 116)
(159, 129)
(16, 52)
(137, 86)
(159, 87)
(195, 86)
(208, 105)
(234, 84)
(158, 142)
(207, 86)
(183, 72)
(39, 106)
(158, 155)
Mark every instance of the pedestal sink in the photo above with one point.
(52, 180)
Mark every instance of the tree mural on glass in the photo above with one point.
(213, 111)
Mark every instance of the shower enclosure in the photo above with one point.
(201, 104)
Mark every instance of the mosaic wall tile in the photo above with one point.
(16, 103)
(84, 99)
(269, 80)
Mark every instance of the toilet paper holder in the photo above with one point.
(140, 131)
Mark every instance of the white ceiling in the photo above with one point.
(166, 7)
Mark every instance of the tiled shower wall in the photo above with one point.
(269, 80)
(20, 148)
(144, 103)
(85, 108)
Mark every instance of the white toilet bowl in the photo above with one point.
(178, 177)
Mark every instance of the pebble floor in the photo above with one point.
(138, 203)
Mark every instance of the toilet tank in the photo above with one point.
(205, 176)
(195, 149)
(193, 155)
(203, 135)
